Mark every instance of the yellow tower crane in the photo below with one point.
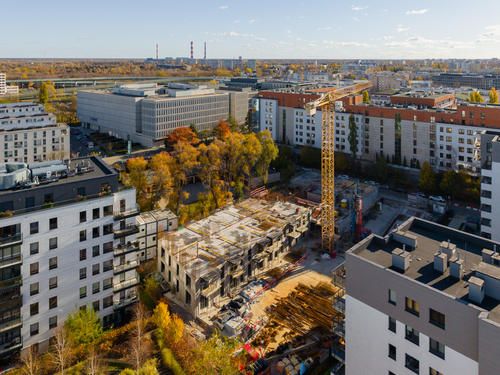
(327, 105)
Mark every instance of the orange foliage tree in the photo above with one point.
(181, 135)
(222, 130)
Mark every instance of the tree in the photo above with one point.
(95, 364)
(449, 183)
(192, 127)
(382, 169)
(216, 356)
(268, 154)
(284, 164)
(83, 326)
(31, 362)
(140, 345)
(161, 317)
(493, 96)
(247, 127)
(310, 157)
(366, 96)
(222, 130)
(341, 163)
(232, 123)
(211, 172)
(183, 134)
(162, 179)
(352, 138)
(152, 287)
(404, 162)
(387, 159)
(61, 351)
(475, 97)
(427, 179)
(138, 178)
(43, 93)
(183, 161)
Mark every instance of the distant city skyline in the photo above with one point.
(253, 30)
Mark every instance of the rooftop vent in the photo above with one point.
(401, 259)
(456, 267)
(448, 248)
(476, 289)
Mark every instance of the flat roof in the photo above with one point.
(429, 237)
(155, 215)
(421, 95)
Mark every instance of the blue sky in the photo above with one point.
(252, 29)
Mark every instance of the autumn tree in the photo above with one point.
(161, 179)
(210, 171)
(475, 97)
(61, 350)
(216, 356)
(138, 178)
(352, 138)
(448, 183)
(493, 95)
(140, 345)
(427, 179)
(178, 135)
(182, 162)
(222, 130)
(366, 96)
(43, 93)
(31, 362)
(95, 364)
(231, 122)
(267, 155)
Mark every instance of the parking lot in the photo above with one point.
(77, 147)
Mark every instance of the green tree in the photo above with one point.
(215, 356)
(284, 164)
(194, 130)
(493, 96)
(341, 162)
(387, 159)
(404, 162)
(268, 154)
(43, 93)
(382, 169)
(232, 123)
(352, 138)
(247, 128)
(449, 183)
(83, 326)
(310, 157)
(427, 179)
(366, 96)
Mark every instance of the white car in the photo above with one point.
(437, 198)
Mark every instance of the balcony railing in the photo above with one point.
(15, 302)
(14, 282)
(12, 346)
(16, 239)
(125, 302)
(126, 249)
(125, 284)
(129, 213)
(130, 265)
(14, 260)
(11, 324)
(126, 231)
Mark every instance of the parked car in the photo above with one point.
(372, 183)
(437, 198)
(418, 194)
(399, 190)
(343, 177)
(384, 186)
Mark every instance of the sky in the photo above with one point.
(386, 29)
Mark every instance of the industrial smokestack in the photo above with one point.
(191, 49)
(157, 52)
(205, 54)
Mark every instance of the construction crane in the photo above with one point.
(327, 105)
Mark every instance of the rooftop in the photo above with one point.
(155, 215)
(429, 237)
(421, 94)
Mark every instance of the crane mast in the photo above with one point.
(327, 105)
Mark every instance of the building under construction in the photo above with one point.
(214, 257)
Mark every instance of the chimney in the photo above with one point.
(476, 289)
(440, 261)
(487, 255)
(456, 267)
(401, 259)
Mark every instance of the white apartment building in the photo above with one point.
(7, 90)
(422, 300)
(67, 243)
(154, 224)
(28, 134)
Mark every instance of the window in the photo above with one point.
(34, 228)
(53, 243)
(107, 210)
(435, 347)
(52, 302)
(53, 322)
(434, 372)
(107, 247)
(83, 235)
(95, 251)
(437, 318)
(95, 232)
(412, 335)
(107, 229)
(34, 329)
(34, 289)
(53, 223)
(95, 288)
(188, 298)
(95, 305)
(95, 213)
(392, 351)
(95, 269)
(107, 283)
(83, 216)
(412, 306)
(33, 309)
(53, 282)
(83, 273)
(392, 324)
(83, 254)
(106, 302)
(83, 292)
(107, 265)
(52, 263)
(392, 296)
(188, 281)
(33, 268)
(412, 364)
(33, 248)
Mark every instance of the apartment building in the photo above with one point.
(67, 240)
(7, 90)
(153, 224)
(215, 256)
(28, 134)
(425, 299)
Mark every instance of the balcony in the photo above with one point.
(14, 260)
(126, 231)
(14, 323)
(125, 302)
(14, 303)
(16, 239)
(130, 265)
(11, 347)
(126, 214)
(15, 282)
(126, 284)
(126, 249)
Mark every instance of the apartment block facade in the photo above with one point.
(65, 244)
(7, 90)
(423, 300)
(152, 225)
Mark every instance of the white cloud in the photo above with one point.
(486, 40)
(252, 21)
(423, 11)
(344, 44)
(288, 32)
(298, 39)
(325, 28)
(355, 19)
(246, 45)
(204, 33)
(260, 39)
(387, 37)
(236, 21)
(403, 29)
(222, 7)
(358, 8)
(495, 30)
(397, 44)
(232, 33)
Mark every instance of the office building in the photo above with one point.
(153, 224)
(67, 240)
(425, 299)
(7, 90)
(28, 134)
(214, 257)
(478, 81)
